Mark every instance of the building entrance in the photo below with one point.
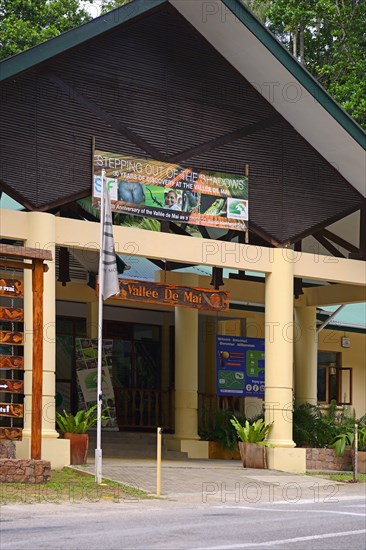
(141, 400)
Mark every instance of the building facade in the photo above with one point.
(228, 98)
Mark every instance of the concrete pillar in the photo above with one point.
(92, 319)
(165, 369)
(253, 405)
(279, 348)
(186, 373)
(41, 234)
(209, 364)
(306, 355)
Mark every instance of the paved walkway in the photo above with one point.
(223, 481)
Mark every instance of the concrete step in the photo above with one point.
(147, 437)
(131, 445)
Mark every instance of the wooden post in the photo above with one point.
(37, 370)
(363, 231)
(158, 462)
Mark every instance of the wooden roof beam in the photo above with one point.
(328, 246)
(338, 240)
(225, 139)
(26, 253)
(103, 115)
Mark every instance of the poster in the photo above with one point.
(171, 192)
(88, 380)
(86, 350)
(240, 366)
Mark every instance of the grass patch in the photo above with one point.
(346, 477)
(68, 485)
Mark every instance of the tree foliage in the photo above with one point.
(329, 38)
(25, 23)
(108, 5)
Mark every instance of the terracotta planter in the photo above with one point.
(78, 447)
(361, 459)
(216, 451)
(253, 455)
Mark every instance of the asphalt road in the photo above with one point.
(309, 524)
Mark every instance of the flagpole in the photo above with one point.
(98, 450)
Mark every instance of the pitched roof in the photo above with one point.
(253, 50)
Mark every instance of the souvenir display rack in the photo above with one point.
(12, 341)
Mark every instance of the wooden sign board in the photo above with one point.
(11, 409)
(11, 287)
(11, 314)
(11, 386)
(14, 434)
(11, 338)
(172, 295)
(11, 362)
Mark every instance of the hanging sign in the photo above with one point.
(11, 338)
(11, 362)
(172, 295)
(14, 434)
(11, 287)
(171, 192)
(11, 409)
(12, 314)
(11, 386)
(240, 366)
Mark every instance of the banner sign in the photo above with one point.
(171, 192)
(11, 409)
(11, 314)
(172, 295)
(240, 366)
(11, 386)
(11, 338)
(11, 287)
(14, 434)
(11, 362)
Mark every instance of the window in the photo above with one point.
(334, 381)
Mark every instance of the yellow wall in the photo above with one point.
(329, 340)
(355, 357)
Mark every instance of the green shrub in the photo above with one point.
(220, 429)
(312, 428)
(346, 439)
(79, 423)
(252, 432)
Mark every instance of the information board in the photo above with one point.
(240, 366)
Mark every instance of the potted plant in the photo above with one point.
(346, 439)
(221, 435)
(252, 443)
(74, 428)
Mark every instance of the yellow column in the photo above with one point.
(92, 319)
(279, 348)
(165, 370)
(186, 373)
(41, 234)
(253, 329)
(306, 349)
(210, 355)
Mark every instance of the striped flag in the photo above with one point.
(109, 283)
